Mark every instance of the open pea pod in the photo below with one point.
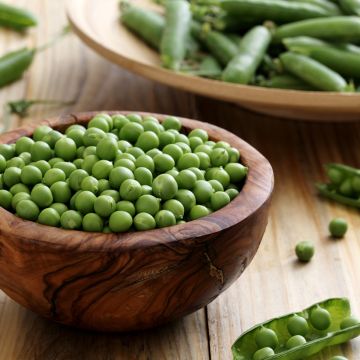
(245, 346)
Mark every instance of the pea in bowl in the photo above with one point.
(135, 279)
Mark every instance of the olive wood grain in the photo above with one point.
(97, 24)
(136, 280)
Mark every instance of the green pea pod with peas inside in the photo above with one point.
(313, 72)
(241, 69)
(351, 7)
(220, 46)
(327, 5)
(16, 18)
(335, 311)
(336, 28)
(286, 81)
(175, 34)
(279, 11)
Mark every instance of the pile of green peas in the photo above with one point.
(120, 173)
(298, 328)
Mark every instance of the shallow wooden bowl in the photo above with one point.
(97, 24)
(135, 280)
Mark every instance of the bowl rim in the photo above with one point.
(255, 193)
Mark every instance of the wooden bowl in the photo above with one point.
(135, 280)
(97, 24)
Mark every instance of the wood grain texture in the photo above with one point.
(79, 279)
(272, 285)
(120, 46)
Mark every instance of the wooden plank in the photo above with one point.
(65, 72)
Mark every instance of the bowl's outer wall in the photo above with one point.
(110, 287)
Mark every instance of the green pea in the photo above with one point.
(41, 131)
(165, 218)
(103, 185)
(335, 175)
(320, 318)
(99, 122)
(77, 136)
(52, 137)
(171, 122)
(188, 161)
(163, 162)
(84, 202)
(42, 165)
(203, 148)
(127, 206)
(266, 338)
(173, 172)
(75, 127)
(216, 185)
(42, 195)
(41, 151)
(92, 136)
(104, 205)
(164, 187)
(187, 198)
(204, 160)
(113, 193)
(31, 175)
(186, 179)
(5, 199)
(346, 188)
(338, 227)
(23, 144)
(7, 151)
(135, 152)
(174, 151)
(236, 171)
(16, 162)
(61, 192)
(118, 175)
(147, 140)
(234, 155)
(90, 150)
(145, 161)
(89, 162)
(220, 175)
(26, 157)
(219, 157)
(305, 250)
(144, 221)
(66, 167)
(27, 210)
(263, 353)
(53, 175)
(297, 325)
(125, 163)
(349, 322)
(49, 217)
(202, 191)
(147, 203)
(18, 197)
(143, 176)
(12, 176)
(102, 169)
(202, 134)
(182, 138)
(219, 199)
(295, 341)
(71, 220)
(194, 142)
(233, 193)
(123, 145)
(59, 207)
(19, 188)
(199, 173)
(106, 149)
(176, 207)
(92, 222)
(2, 164)
(131, 131)
(355, 183)
(89, 183)
(130, 190)
(198, 211)
(119, 121)
(136, 118)
(166, 138)
(153, 152)
(76, 178)
(54, 161)
(120, 221)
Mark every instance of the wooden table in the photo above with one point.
(274, 284)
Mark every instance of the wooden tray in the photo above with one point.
(97, 24)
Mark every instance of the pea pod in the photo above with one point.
(329, 6)
(246, 345)
(219, 45)
(176, 32)
(208, 67)
(350, 6)
(241, 69)
(313, 72)
(14, 64)
(286, 81)
(339, 28)
(331, 193)
(280, 11)
(16, 18)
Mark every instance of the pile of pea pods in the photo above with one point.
(308, 45)
(299, 335)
